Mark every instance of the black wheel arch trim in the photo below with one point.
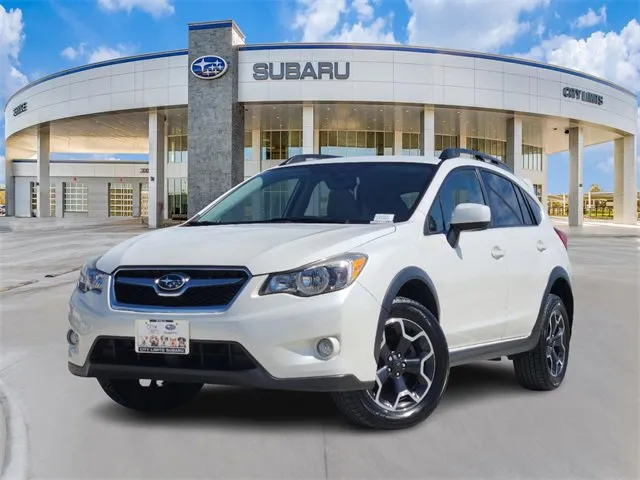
(510, 348)
(402, 277)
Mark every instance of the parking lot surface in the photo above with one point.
(487, 426)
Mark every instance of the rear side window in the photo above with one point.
(535, 209)
(505, 209)
(524, 207)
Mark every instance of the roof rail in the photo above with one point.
(448, 153)
(303, 157)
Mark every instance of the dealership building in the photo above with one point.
(199, 121)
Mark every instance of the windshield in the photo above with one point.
(325, 193)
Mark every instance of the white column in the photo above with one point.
(625, 190)
(256, 147)
(576, 157)
(156, 167)
(307, 128)
(462, 140)
(397, 142)
(10, 184)
(428, 131)
(43, 169)
(514, 144)
(545, 181)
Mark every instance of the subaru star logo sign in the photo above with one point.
(209, 67)
(172, 282)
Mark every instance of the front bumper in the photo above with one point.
(276, 336)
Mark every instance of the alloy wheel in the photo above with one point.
(556, 351)
(406, 367)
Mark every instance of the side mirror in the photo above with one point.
(468, 216)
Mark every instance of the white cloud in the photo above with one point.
(11, 39)
(98, 54)
(606, 166)
(317, 18)
(591, 18)
(469, 24)
(376, 32)
(612, 55)
(102, 54)
(157, 8)
(71, 53)
(363, 8)
(324, 20)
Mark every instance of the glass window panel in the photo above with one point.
(295, 139)
(388, 140)
(361, 141)
(371, 140)
(351, 139)
(342, 139)
(323, 138)
(332, 139)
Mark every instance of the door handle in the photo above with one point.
(541, 246)
(497, 253)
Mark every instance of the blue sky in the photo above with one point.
(39, 37)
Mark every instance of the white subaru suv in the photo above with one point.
(366, 277)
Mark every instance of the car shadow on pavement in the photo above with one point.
(248, 408)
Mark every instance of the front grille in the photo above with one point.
(207, 288)
(220, 356)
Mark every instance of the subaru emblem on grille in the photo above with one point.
(171, 282)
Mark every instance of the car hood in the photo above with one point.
(262, 248)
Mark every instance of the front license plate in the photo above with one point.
(162, 336)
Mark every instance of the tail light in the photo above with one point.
(563, 237)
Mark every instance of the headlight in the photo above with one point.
(91, 279)
(322, 277)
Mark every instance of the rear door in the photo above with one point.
(470, 278)
(525, 262)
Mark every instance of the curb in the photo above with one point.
(14, 445)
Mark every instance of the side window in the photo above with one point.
(505, 210)
(524, 208)
(535, 209)
(461, 186)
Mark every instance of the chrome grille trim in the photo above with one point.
(149, 281)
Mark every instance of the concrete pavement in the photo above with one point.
(486, 426)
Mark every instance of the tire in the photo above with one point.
(534, 369)
(365, 407)
(153, 398)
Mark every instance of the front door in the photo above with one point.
(470, 278)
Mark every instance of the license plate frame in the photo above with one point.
(167, 337)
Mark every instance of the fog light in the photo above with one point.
(72, 337)
(328, 347)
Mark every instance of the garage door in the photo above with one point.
(121, 200)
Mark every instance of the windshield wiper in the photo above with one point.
(202, 223)
(304, 220)
(197, 223)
